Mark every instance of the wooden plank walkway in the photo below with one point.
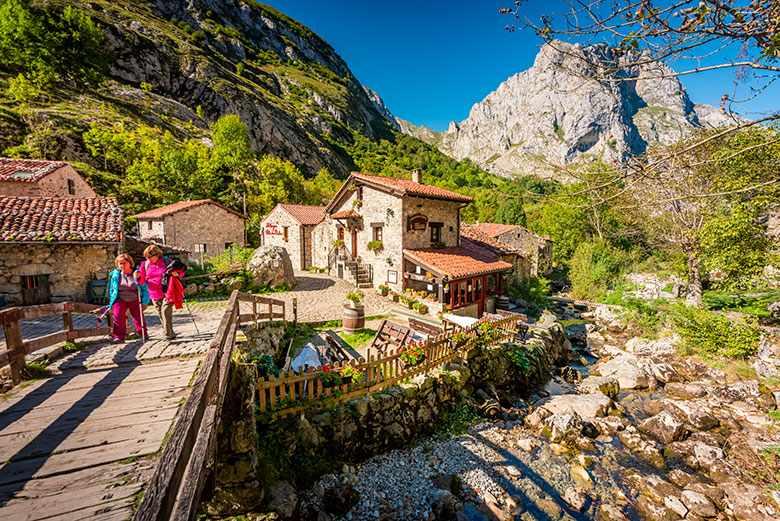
(82, 444)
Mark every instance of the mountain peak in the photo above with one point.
(562, 110)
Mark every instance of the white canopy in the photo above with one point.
(459, 320)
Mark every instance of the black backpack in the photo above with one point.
(172, 264)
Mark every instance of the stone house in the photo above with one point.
(40, 178)
(406, 234)
(51, 248)
(203, 227)
(291, 226)
(534, 252)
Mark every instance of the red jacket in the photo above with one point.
(175, 293)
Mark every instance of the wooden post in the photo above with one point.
(295, 311)
(254, 310)
(13, 342)
(67, 322)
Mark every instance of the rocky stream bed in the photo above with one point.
(628, 430)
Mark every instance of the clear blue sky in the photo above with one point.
(431, 60)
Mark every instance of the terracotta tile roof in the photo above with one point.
(164, 211)
(305, 214)
(346, 214)
(493, 229)
(27, 170)
(473, 233)
(468, 260)
(51, 219)
(409, 187)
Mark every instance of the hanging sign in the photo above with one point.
(272, 229)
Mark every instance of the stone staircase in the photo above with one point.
(361, 273)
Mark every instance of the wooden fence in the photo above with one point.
(190, 453)
(290, 392)
(17, 348)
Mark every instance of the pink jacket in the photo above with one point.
(152, 275)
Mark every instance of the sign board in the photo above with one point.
(392, 276)
(272, 229)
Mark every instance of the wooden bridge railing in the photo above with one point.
(17, 348)
(189, 455)
(289, 393)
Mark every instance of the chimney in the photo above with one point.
(416, 176)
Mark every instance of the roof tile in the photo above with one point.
(164, 211)
(474, 233)
(467, 260)
(27, 170)
(305, 214)
(51, 219)
(409, 187)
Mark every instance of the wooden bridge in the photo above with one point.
(118, 431)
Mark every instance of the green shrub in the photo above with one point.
(646, 317)
(22, 90)
(711, 333)
(534, 291)
(412, 355)
(595, 267)
(520, 356)
(231, 259)
(375, 246)
(355, 296)
(420, 307)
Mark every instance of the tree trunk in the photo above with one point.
(693, 297)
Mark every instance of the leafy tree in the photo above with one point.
(595, 268)
(48, 44)
(320, 189)
(272, 181)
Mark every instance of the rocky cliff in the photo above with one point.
(556, 113)
(181, 64)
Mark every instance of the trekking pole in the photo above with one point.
(197, 331)
(141, 312)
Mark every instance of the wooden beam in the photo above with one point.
(13, 342)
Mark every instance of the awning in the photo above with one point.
(461, 262)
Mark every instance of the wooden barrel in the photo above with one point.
(354, 318)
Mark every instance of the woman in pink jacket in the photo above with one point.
(151, 273)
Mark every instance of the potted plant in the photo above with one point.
(351, 375)
(329, 378)
(459, 339)
(395, 297)
(410, 303)
(383, 289)
(412, 355)
(354, 312)
(420, 307)
(375, 246)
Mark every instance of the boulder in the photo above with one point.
(586, 406)
(607, 386)
(646, 347)
(271, 266)
(698, 504)
(767, 363)
(564, 426)
(665, 427)
(685, 391)
(609, 317)
(581, 477)
(693, 412)
(627, 370)
(283, 499)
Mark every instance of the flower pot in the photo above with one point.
(354, 317)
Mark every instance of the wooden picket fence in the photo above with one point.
(290, 393)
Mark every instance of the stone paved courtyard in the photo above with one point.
(320, 297)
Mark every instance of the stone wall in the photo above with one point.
(323, 236)
(204, 224)
(272, 229)
(152, 230)
(445, 212)
(303, 446)
(537, 250)
(69, 267)
(51, 185)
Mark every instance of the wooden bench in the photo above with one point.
(389, 335)
(425, 327)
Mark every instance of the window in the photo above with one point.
(228, 245)
(341, 233)
(200, 248)
(435, 232)
(285, 228)
(71, 187)
(377, 233)
(148, 225)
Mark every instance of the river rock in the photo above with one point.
(685, 391)
(283, 499)
(564, 426)
(586, 406)
(694, 413)
(581, 477)
(698, 504)
(271, 266)
(646, 347)
(656, 511)
(607, 386)
(627, 370)
(608, 512)
(674, 503)
(767, 363)
(745, 502)
(610, 317)
(665, 427)
(642, 447)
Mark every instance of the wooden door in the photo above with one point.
(35, 290)
(354, 244)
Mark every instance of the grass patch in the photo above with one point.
(774, 416)
(359, 338)
(456, 421)
(36, 370)
(753, 304)
(72, 347)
